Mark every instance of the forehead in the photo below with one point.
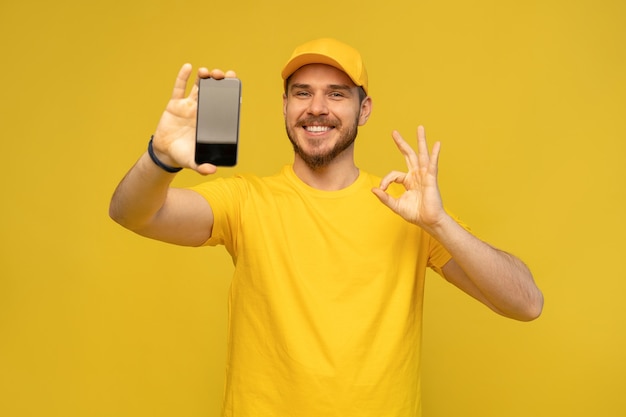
(320, 75)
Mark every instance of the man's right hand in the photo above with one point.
(174, 139)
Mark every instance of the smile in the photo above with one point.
(317, 129)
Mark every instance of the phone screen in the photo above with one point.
(217, 127)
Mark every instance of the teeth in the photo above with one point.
(317, 128)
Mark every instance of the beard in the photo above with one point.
(322, 159)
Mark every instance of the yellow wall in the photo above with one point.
(528, 98)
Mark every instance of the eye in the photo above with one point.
(339, 94)
(301, 93)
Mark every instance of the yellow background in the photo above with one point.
(528, 99)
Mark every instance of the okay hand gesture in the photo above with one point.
(421, 202)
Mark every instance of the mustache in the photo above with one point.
(318, 120)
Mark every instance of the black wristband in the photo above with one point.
(156, 160)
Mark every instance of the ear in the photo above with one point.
(366, 110)
(284, 105)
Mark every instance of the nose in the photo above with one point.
(318, 105)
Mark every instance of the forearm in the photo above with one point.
(502, 281)
(140, 195)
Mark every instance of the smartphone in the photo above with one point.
(217, 124)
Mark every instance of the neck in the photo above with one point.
(337, 175)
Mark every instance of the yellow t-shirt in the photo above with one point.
(325, 304)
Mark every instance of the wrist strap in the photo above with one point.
(156, 160)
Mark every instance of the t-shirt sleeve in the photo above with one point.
(225, 196)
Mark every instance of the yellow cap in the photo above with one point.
(330, 52)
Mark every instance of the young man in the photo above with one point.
(326, 299)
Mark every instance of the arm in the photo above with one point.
(144, 201)
(496, 278)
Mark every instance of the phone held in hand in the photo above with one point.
(217, 125)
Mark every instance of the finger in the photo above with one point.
(421, 137)
(203, 72)
(393, 176)
(434, 157)
(422, 147)
(385, 198)
(181, 81)
(409, 154)
(217, 73)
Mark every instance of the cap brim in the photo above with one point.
(299, 61)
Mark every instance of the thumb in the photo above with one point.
(384, 198)
(205, 169)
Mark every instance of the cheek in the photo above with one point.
(354, 116)
(289, 110)
(288, 113)
(293, 112)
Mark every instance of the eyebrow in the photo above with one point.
(343, 87)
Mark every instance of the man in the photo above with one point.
(326, 299)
